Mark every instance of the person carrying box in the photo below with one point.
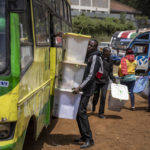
(127, 73)
(87, 87)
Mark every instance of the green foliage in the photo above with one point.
(142, 21)
(100, 28)
(142, 5)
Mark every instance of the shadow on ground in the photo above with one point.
(52, 139)
(107, 116)
(113, 117)
(137, 108)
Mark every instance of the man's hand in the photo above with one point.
(76, 90)
(115, 81)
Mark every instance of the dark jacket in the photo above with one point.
(107, 72)
(89, 79)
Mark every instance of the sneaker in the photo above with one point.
(133, 108)
(101, 116)
(87, 144)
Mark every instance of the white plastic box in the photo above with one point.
(118, 96)
(71, 75)
(66, 104)
(115, 104)
(119, 91)
(75, 46)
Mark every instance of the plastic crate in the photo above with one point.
(66, 104)
(75, 46)
(71, 75)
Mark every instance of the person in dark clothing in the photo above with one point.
(87, 87)
(102, 83)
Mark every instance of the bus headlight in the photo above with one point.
(6, 130)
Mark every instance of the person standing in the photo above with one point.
(102, 83)
(87, 87)
(127, 73)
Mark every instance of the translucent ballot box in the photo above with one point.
(66, 104)
(71, 75)
(118, 96)
(75, 46)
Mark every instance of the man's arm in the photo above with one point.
(91, 76)
(111, 73)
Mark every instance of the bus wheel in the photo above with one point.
(30, 134)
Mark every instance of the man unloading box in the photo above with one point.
(87, 87)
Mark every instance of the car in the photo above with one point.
(103, 44)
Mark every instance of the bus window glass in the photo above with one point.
(140, 49)
(58, 7)
(63, 26)
(120, 43)
(53, 5)
(69, 15)
(65, 11)
(57, 25)
(70, 29)
(61, 8)
(25, 27)
(26, 38)
(2, 36)
(41, 24)
(144, 37)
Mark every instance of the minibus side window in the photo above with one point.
(3, 47)
(26, 39)
(140, 49)
(144, 37)
(41, 24)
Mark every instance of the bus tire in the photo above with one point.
(30, 134)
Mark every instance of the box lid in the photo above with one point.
(74, 63)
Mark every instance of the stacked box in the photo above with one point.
(70, 76)
(75, 46)
(66, 104)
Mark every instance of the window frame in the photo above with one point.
(141, 44)
(48, 10)
(6, 70)
(28, 43)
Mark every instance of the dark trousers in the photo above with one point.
(82, 119)
(149, 95)
(100, 88)
(130, 85)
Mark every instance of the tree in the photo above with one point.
(86, 25)
(142, 5)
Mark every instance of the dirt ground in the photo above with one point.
(125, 130)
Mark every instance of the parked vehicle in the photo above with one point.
(119, 42)
(141, 48)
(103, 44)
